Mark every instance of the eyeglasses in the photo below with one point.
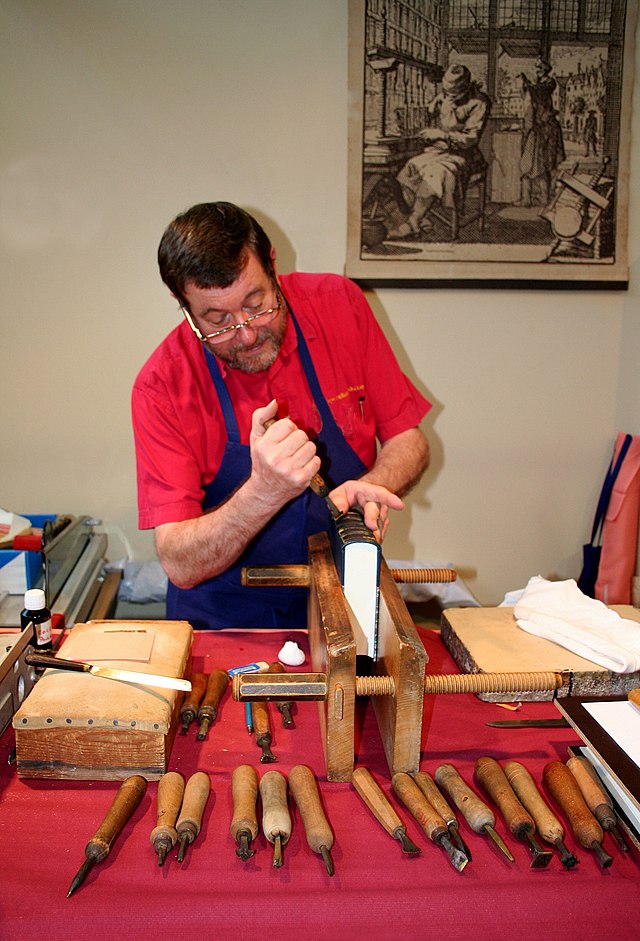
(221, 336)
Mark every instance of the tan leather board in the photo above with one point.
(60, 699)
(488, 640)
(85, 727)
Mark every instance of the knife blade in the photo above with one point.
(529, 724)
(111, 673)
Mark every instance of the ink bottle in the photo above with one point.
(37, 613)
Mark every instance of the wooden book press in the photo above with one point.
(333, 632)
(398, 682)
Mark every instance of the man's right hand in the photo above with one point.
(283, 457)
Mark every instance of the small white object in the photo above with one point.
(291, 654)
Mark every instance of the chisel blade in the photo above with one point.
(320, 488)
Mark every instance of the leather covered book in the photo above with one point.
(357, 557)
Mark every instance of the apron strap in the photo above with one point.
(228, 413)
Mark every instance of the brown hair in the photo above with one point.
(209, 244)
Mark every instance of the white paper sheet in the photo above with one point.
(621, 721)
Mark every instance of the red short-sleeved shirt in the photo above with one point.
(178, 426)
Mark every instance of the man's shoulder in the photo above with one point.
(313, 291)
(479, 98)
(167, 362)
(305, 282)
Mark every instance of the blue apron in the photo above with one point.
(222, 601)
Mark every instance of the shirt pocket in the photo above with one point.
(351, 412)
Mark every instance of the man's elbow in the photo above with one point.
(180, 579)
(176, 573)
(425, 454)
(420, 451)
(179, 574)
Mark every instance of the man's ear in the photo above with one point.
(272, 255)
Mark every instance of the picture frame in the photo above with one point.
(489, 143)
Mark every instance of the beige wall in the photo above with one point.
(119, 113)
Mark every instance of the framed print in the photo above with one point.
(489, 141)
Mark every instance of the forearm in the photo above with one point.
(194, 550)
(401, 462)
(283, 461)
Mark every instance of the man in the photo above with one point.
(457, 118)
(542, 144)
(268, 380)
(590, 134)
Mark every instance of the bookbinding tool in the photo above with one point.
(398, 680)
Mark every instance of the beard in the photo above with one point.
(260, 355)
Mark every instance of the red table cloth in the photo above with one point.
(376, 892)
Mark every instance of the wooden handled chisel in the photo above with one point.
(262, 728)
(431, 791)
(97, 849)
(376, 800)
(189, 708)
(318, 485)
(564, 788)
(276, 820)
(216, 687)
(304, 787)
(490, 775)
(196, 794)
(283, 707)
(549, 827)
(170, 794)
(244, 825)
(478, 815)
(427, 816)
(596, 797)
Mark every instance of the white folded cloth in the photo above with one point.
(560, 612)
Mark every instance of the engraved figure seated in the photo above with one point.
(457, 118)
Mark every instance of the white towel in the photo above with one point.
(560, 612)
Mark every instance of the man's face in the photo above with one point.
(251, 348)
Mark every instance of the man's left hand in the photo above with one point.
(431, 134)
(374, 500)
